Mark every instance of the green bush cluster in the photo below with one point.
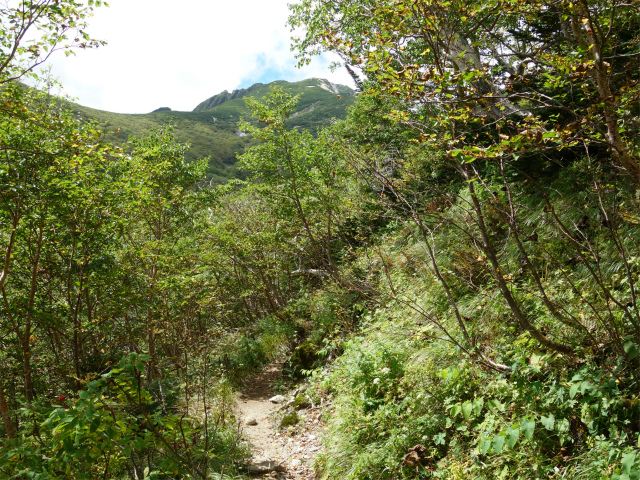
(116, 429)
(552, 416)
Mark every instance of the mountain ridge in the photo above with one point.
(226, 96)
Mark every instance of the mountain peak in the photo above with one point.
(259, 89)
(224, 97)
(333, 87)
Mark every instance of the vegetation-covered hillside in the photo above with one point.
(212, 128)
(457, 260)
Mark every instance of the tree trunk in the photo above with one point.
(4, 411)
(497, 272)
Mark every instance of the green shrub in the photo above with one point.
(550, 417)
(115, 429)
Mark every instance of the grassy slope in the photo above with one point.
(217, 138)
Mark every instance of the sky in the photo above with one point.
(164, 53)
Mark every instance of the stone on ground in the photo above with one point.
(288, 420)
(301, 402)
(263, 465)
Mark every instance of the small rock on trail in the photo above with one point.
(263, 465)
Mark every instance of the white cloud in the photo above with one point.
(163, 53)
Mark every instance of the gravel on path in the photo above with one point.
(285, 455)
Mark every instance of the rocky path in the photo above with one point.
(286, 454)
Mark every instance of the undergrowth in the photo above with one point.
(240, 353)
(401, 383)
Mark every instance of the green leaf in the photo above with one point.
(562, 425)
(528, 426)
(138, 443)
(478, 403)
(573, 390)
(512, 436)
(466, 410)
(584, 386)
(548, 422)
(440, 438)
(485, 446)
(631, 349)
(95, 424)
(627, 462)
(498, 406)
(498, 443)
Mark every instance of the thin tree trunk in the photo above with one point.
(8, 253)
(26, 337)
(599, 75)
(4, 411)
(520, 316)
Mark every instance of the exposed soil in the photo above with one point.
(286, 454)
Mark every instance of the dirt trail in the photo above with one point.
(288, 454)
